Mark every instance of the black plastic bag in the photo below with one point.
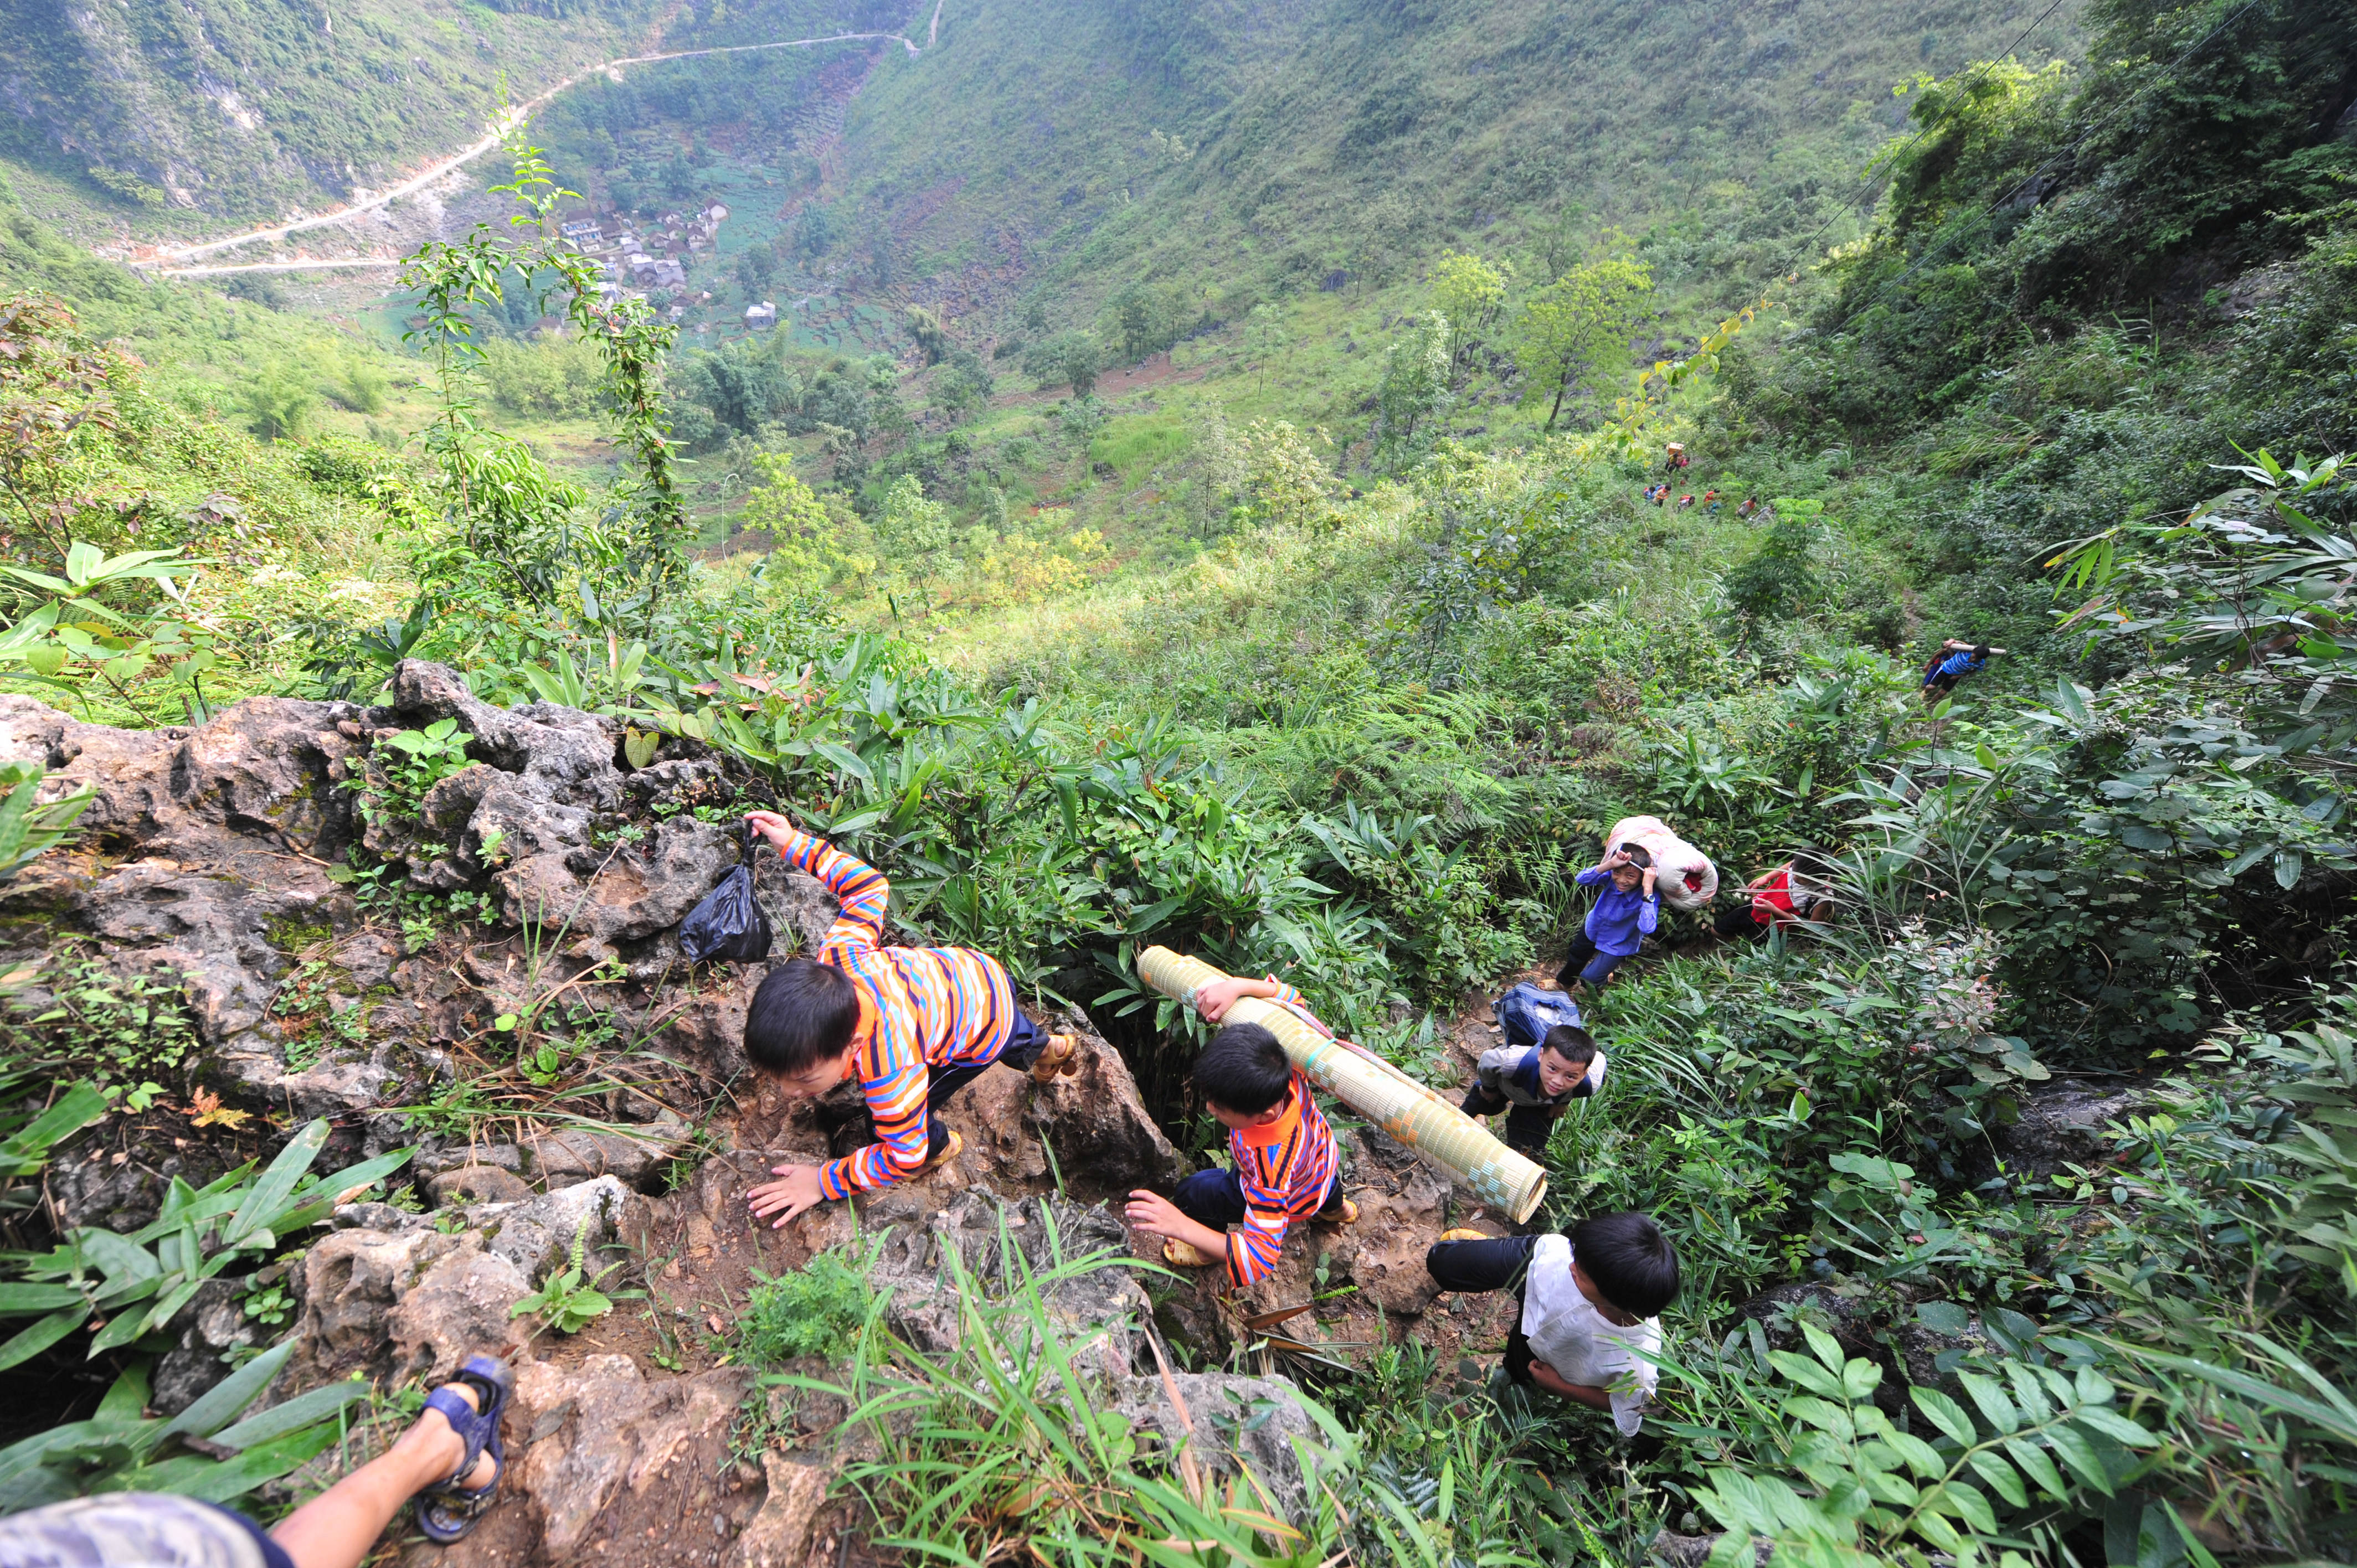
(728, 923)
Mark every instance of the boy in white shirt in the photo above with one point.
(1592, 1298)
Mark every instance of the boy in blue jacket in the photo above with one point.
(1625, 913)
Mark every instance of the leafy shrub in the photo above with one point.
(813, 1311)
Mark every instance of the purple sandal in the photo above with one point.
(446, 1510)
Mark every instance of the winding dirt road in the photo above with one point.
(172, 260)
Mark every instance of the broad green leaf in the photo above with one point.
(221, 1404)
(1821, 1414)
(82, 558)
(298, 1413)
(1974, 1507)
(1939, 1533)
(2026, 1390)
(2091, 1387)
(32, 1341)
(277, 1183)
(1860, 1378)
(1806, 1373)
(117, 1257)
(1991, 1467)
(127, 1397)
(25, 1301)
(28, 1148)
(1992, 1401)
(122, 1328)
(2038, 1466)
(2081, 1455)
(1827, 1347)
(1921, 1457)
(2113, 1425)
(1945, 1412)
(1887, 1488)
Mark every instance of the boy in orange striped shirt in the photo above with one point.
(915, 1024)
(1286, 1168)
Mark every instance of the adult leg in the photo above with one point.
(1583, 952)
(335, 1528)
(1478, 1266)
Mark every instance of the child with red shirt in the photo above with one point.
(1790, 895)
(1286, 1165)
(915, 1024)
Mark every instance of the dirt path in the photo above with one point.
(168, 260)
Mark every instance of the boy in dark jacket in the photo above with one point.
(1535, 1085)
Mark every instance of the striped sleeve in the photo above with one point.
(893, 1077)
(1290, 1000)
(859, 887)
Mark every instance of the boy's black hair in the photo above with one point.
(1811, 861)
(1980, 651)
(804, 1012)
(1572, 1043)
(1639, 856)
(1629, 1260)
(1243, 1070)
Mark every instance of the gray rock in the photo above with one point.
(561, 1156)
(212, 1326)
(2061, 1124)
(913, 1268)
(538, 1235)
(475, 1184)
(395, 1306)
(1225, 1440)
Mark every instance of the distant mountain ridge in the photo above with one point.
(253, 107)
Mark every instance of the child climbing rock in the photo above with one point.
(1286, 1165)
(914, 1024)
(1592, 1298)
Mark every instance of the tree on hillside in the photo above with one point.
(1071, 357)
(1415, 386)
(1469, 291)
(926, 327)
(915, 532)
(1563, 328)
(1264, 338)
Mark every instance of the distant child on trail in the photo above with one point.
(1785, 896)
(913, 1024)
(1285, 1165)
(1624, 915)
(1954, 660)
(1592, 1298)
(1535, 1084)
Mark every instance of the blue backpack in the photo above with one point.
(1527, 1012)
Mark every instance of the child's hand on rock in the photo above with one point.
(1154, 1214)
(800, 1190)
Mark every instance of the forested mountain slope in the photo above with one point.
(251, 107)
(1215, 143)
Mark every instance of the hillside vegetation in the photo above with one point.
(133, 114)
(1246, 549)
